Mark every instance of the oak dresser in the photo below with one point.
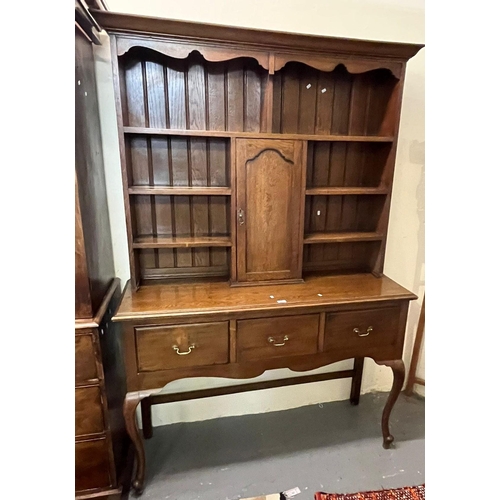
(257, 178)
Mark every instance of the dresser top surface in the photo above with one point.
(187, 299)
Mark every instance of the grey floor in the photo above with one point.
(334, 447)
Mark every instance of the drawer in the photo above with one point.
(182, 346)
(263, 338)
(88, 411)
(85, 362)
(92, 468)
(369, 328)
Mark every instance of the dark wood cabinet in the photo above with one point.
(92, 235)
(254, 158)
(101, 442)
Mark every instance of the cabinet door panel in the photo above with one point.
(270, 193)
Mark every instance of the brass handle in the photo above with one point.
(365, 334)
(272, 341)
(185, 353)
(241, 216)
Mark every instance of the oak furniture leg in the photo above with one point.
(147, 422)
(398, 370)
(416, 352)
(132, 399)
(356, 380)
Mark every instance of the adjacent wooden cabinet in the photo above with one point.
(101, 442)
(257, 177)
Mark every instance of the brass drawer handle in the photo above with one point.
(271, 340)
(365, 334)
(185, 353)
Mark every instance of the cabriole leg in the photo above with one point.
(398, 370)
(132, 399)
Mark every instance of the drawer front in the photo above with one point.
(182, 346)
(92, 468)
(371, 329)
(85, 362)
(259, 339)
(88, 411)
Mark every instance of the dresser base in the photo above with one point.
(193, 330)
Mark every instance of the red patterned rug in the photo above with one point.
(406, 493)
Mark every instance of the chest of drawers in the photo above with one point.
(100, 438)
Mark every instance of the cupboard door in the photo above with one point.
(269, 209)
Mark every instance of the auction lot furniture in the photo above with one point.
(257, 177)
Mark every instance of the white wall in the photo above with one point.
(391, 20)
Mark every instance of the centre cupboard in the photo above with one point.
(257, 177)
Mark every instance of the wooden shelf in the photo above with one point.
(337, 191)
(314, 238)
(181, 241)
(180, 190)
(221, 133)
(183, 152)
